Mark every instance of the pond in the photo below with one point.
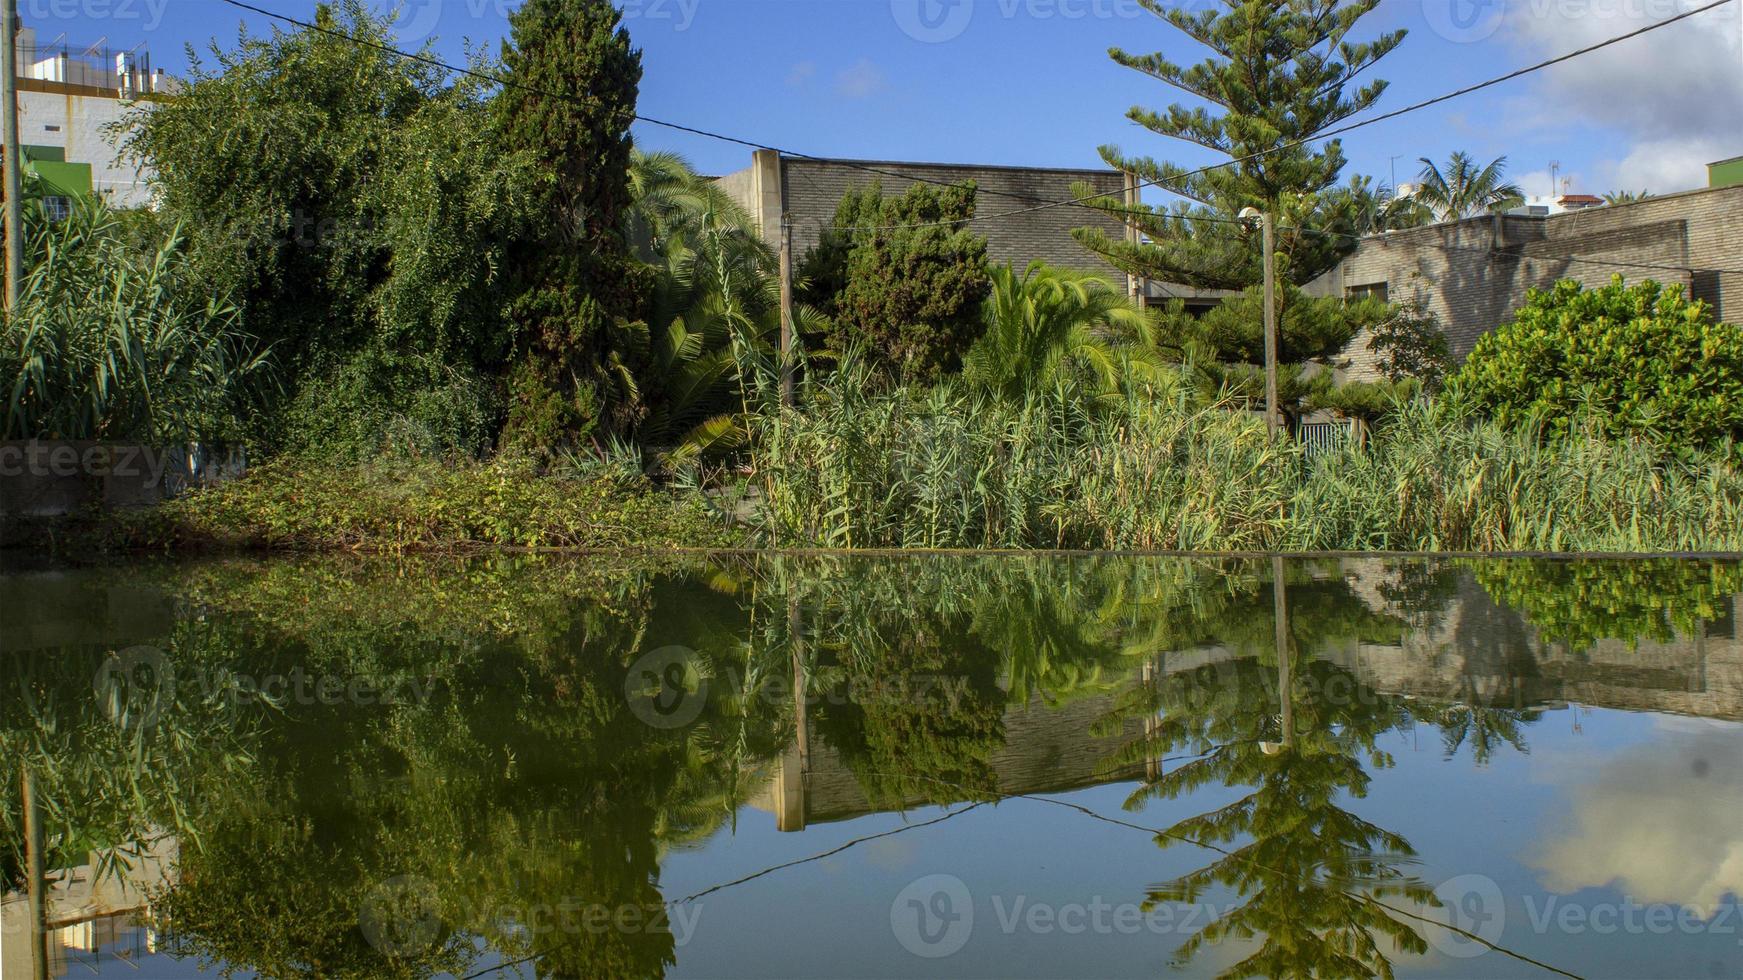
(749, 766)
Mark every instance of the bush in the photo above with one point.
(909, 296)
(1637, 360)
(303, 505)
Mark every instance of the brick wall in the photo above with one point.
(810, 190)
(1473, 274)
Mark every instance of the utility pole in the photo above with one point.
(14, 154)
(35, 878)
(787, 366)
(1285, 666)
(1273, 418)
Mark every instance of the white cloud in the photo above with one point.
(801, 73)
(1660, 822)
(859, 80)
(1674, 95)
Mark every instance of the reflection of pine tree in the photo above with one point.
(1303, 865)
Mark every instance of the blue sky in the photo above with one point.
(1029, 81)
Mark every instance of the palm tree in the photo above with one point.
(1626, 197)
(1052, 325)
(1464, 190)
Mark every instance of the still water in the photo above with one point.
(941, 766)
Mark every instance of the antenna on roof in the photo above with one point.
(96, 45)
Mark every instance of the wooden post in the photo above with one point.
(14, 154)
(35, 880)
(1285, 678)
(1273, 418)
(788, 367)
(796, 760)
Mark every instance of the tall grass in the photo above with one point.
(951, 469)
(112, 341)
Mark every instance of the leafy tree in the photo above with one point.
(1279, 77)
(567, 119)
(1464, 190)
(1227, 345)
(358, 209)
(1051, 326)
(1636, 360)
(1409, 345)
(909, 296)
(276, 201)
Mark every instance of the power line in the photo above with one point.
(1074, 202)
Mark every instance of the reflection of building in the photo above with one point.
(1473, 650)
(93, 918)
(67, 99)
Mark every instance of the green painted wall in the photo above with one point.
(54, 176)
(1726, 174)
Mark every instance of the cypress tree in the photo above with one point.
(567, 115)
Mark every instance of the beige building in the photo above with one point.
(1473, 274)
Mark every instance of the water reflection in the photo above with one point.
(425, 768)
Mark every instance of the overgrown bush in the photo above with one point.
(297, 504)
(1637, 360)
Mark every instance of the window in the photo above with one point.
(51, 128)
(57, 208)
(1373, 290)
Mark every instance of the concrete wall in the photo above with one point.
(1473, 274)
(65, 116)
(809, 191)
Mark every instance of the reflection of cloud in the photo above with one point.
(1660, 822)
(859, 80)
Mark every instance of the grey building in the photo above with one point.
(1473, 274)
(808, 190)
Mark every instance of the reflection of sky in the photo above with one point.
(1511, 821)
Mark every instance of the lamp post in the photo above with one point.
(1273, 420)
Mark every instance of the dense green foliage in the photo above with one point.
(1226, 346)
(1049, 328)
(1633, 361)
(908, 297)
(295, 504)
(114, 341)
(575, 287)
(357, 208)
(1578, 603)
(1280, 75)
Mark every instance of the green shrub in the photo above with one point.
(295, 504)
(1638, 360)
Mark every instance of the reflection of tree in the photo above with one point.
(1304, 866)
(515, 802)
(1582, 601)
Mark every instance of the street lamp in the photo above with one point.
(1273, 420)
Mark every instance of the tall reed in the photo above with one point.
(948, 468)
